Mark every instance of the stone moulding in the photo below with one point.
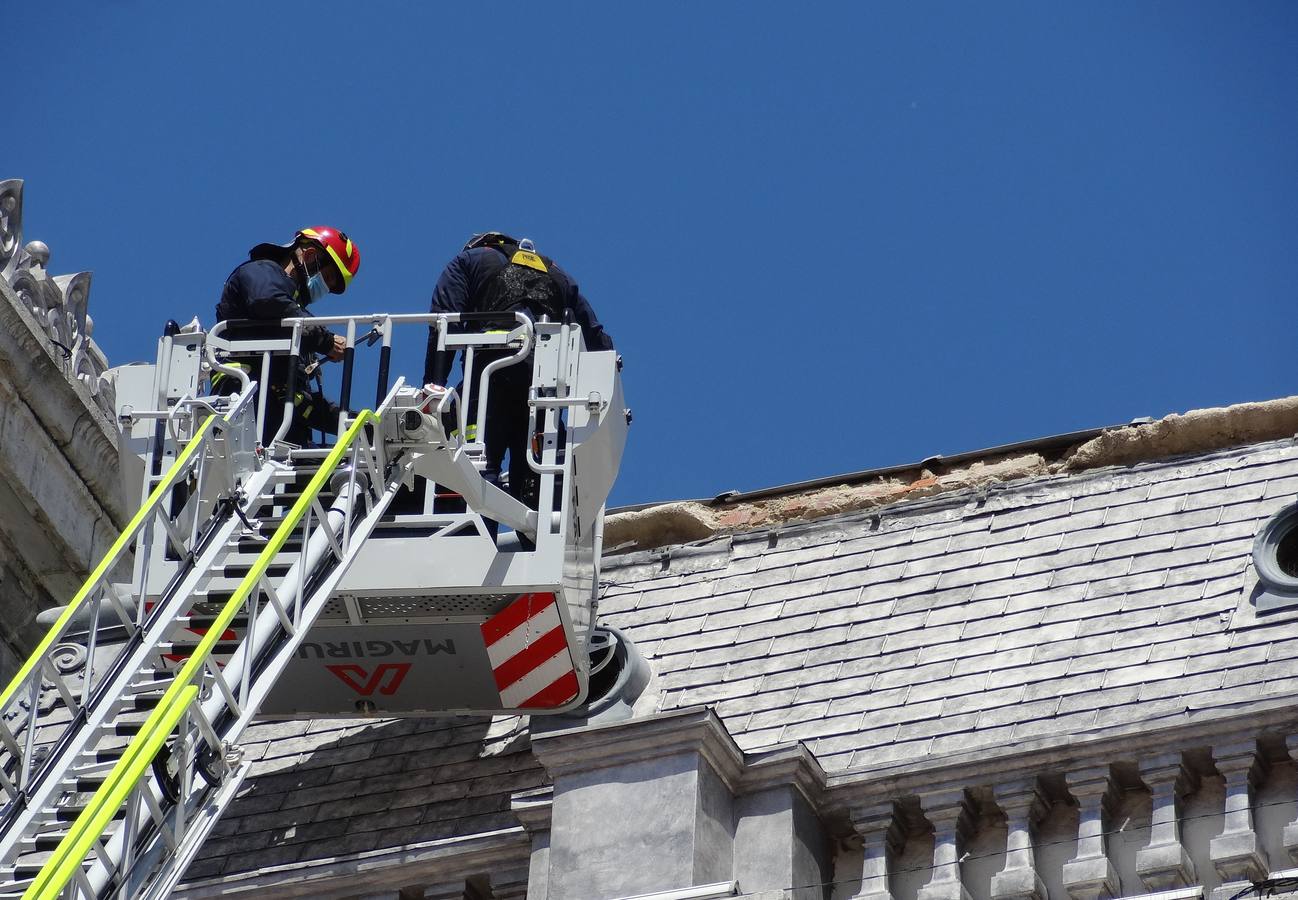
(427, 863)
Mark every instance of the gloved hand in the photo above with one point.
(335, 352)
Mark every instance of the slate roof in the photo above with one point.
(1042, 609)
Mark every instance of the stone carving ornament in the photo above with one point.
(58, 302)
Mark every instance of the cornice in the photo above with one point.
(695, 729)
(379, 870)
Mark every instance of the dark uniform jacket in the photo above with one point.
(465, 282)
(260, 290)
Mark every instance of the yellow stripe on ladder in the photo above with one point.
(110, 559)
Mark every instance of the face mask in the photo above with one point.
(316, 287)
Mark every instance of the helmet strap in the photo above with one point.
(300, 274)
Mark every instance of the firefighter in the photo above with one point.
(279, 281)
(498, 274)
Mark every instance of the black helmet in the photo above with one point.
(489, 239)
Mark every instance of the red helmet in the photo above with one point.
(340, 248)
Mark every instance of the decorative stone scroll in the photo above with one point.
(58, 303)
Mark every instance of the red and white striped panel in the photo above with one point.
(529, 654)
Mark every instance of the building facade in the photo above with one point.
(1062, 669)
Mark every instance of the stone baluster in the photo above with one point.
(1290, 836)
(1019, 879)
(943, 810)
(1236, 853)
(1164, 865)
(878, 831)
(1090, 874)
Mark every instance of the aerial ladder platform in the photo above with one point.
(382, 575)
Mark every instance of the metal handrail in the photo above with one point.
(178, 470)
(384, 323)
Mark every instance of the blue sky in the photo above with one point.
(826, 237)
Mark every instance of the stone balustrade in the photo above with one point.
(1204, 820)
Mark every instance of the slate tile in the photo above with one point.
(1242, 493)
(953, 599)
(878, 662)
(871, 701)
(724, 652)
(711, 693)
(982, 573)
(1180, 521)
(1191, 648)
(1123, 522)
(1238, 664)
(848, 598)
(841, 687)
(856, 654)
(855, 740)
(797, 556)
(1212, 571)
(886, 537)
(755, 740)
(983, 537)
(1041, 547)
(897, 713)
(1052, 681)
(901, 552)
(1064, 528)
(754, 701)
(1199, 481)
(1124, 584)
(1009, 587)
(774, 624)
(808, 640)
(1019, 712)
(974, 704)
(688, 644)
(981, 627)
(833, 565)
(887, 753)
(1007, 666)
(1099, 698)
(915, 674)
(788, 715)
(680, 679)
(1145, 673)
(1135, 494)
(1058, 725)
(963, 683)
(1183, 687)
(977, 739)
(1066, 650)
(808, 587)
(921, 637)
(958, 649)
(829, 725)
(1148, 713)
(948, 723)
(1029, 514)
(1030, 637)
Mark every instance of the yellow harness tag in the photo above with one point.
(531, 260)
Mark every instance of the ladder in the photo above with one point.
(120, 735)
(115, 766)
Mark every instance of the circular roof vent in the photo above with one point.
(618, 676)
(1275, 558)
